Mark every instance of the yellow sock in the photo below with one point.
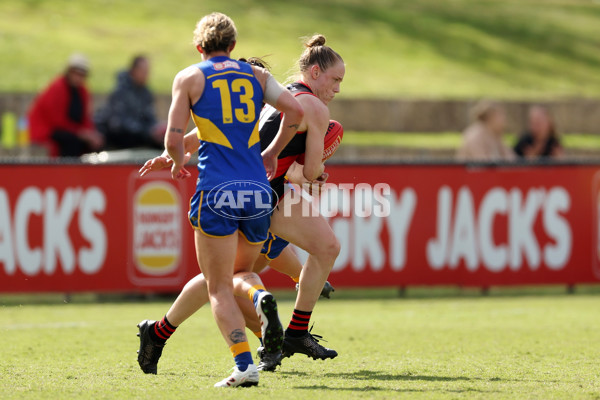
(295, 278)
(239, 348)
(253, 290)
(258, 334)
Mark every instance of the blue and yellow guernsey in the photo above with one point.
(227, 116)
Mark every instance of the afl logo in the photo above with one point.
(156, 228)
(241, 200)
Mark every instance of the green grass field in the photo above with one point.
(514, 347)
(393, 48)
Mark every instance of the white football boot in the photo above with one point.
(238, 378)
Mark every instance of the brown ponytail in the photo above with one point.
(316, 40)
(317, 53)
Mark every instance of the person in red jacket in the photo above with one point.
(60, 117)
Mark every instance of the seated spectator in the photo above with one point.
(540, 138)
(482, 140)
(128, 120)
(60, 117)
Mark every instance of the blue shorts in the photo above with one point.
(273, 246)
(218, 217)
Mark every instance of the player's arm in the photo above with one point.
(295, 176)
(316, 119)
(190, 145)
(186, 86)
(280, 98)
(292, 117)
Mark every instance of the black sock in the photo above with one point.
(162, 330)
(299, 324)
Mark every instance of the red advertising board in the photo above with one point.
(75, 228)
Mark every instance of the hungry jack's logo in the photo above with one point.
(156, 228)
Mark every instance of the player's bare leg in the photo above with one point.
(154, 334)
(266, 309)
(193, 296)
(287, 263)
(249, 311)
(311, 232)
(219, 263)
(247, 307)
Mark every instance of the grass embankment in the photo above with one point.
(450, 140)
(426, 48)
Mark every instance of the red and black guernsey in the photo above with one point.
(270, 119)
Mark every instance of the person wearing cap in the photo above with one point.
(60, 116)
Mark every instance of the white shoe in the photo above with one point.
(270, 326)
(238, 378)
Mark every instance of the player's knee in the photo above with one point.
(244, 276)
(335, 248)
(196, 283)
(219, 288)
(330, 249)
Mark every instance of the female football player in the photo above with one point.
(225, 97)
(322, 71)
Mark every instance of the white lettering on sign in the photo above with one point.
(401, 213)
(7, 256)
(463, 235)
(360, 235)
(466, 234)
(30, 202)
(369, 247)
(56, 214)
(92, 229)
(437, 248)
(493, 255)
(57, 218)
(557, 255)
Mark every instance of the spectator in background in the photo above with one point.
(128, 120)
(60, 117)
(482, 140)
(540, 138)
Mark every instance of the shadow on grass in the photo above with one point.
(365, 374)
(381, 389)
(387, 377)
(361, 389)
(384, 376)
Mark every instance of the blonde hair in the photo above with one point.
(215, 32)
(317, 53)
(483, 110)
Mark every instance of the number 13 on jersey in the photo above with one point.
(242, 88)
